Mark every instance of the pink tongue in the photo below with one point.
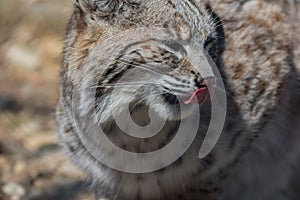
(199, 96)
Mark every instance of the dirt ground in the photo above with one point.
(32, 165)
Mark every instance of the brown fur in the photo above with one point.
(263, 95)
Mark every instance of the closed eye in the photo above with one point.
(176, 46)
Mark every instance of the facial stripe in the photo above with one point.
(177, 85)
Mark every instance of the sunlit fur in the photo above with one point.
(135, 52)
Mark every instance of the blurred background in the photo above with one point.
(32, 165)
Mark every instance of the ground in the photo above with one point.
(32, 164)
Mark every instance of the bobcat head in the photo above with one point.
(143, 53)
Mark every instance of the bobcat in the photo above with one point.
(140, 54)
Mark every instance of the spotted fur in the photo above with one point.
(158, 40)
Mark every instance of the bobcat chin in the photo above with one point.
(157, 60)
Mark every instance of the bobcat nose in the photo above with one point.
(207, 82)
(204, 91)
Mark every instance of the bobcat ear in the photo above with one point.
(105, 8)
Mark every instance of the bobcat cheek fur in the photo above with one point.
(157, 40)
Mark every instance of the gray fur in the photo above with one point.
(258, 151)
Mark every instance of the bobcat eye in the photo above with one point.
(176, 46)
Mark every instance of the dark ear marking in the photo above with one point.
(106, 8)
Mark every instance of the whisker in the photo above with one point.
(124, 85)
(141, 66)
(216, 4)
(153, 95)
(112, 86)
(137, 65)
